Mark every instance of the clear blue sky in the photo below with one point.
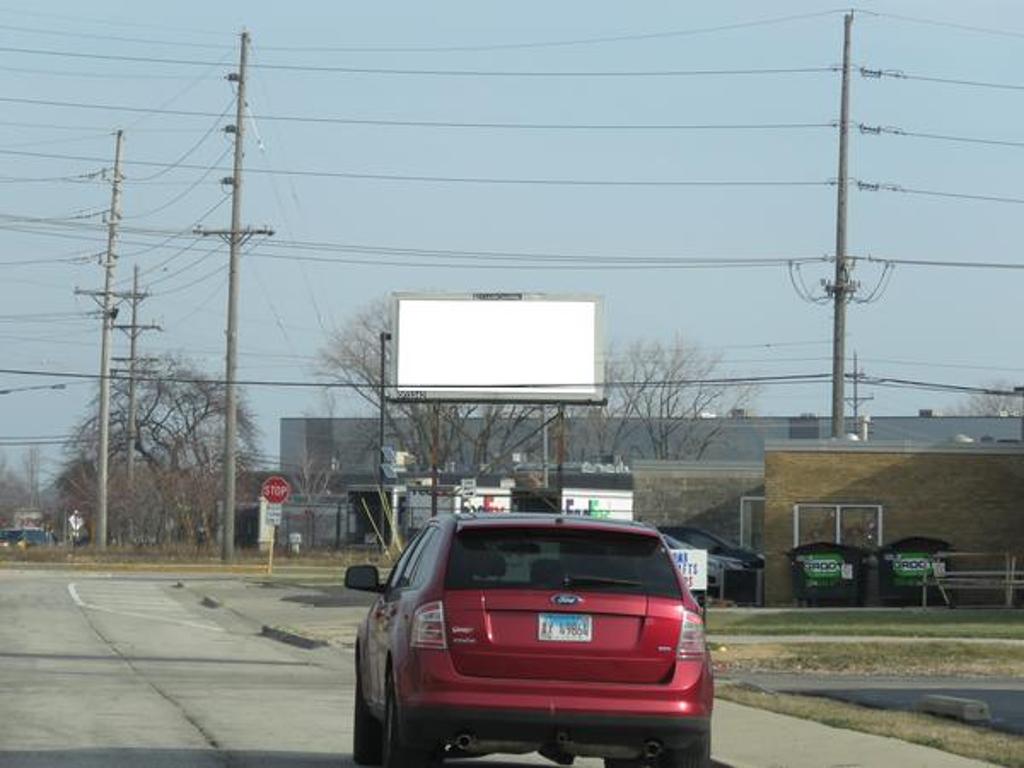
(935, 324)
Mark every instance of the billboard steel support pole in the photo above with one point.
(435, 438)
(561, 455)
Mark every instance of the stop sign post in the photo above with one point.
(275, 492)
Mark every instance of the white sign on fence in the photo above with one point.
(693, 564)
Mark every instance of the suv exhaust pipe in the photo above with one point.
(652, 748)
(465, 741)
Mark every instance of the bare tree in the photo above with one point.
(469, 435)
(14, 493)
(180, 439)
(1001, 400)
(661, 402)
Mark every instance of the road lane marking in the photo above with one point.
(73, 591)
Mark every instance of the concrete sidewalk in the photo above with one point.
(744, 737)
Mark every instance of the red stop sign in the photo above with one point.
(276, 490)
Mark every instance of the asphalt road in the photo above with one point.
(112, 672)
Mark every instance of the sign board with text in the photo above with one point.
(276, 490)
(693, 564)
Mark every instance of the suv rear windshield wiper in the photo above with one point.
(596, 581)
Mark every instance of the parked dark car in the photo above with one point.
(733, 572)
(698, 538)
(520, 633)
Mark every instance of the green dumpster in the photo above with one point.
(825, 573)
(904, 566)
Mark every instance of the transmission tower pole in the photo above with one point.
(856, 400)
(235, 237)
(842, 288)
(109, 313)
(134, 330)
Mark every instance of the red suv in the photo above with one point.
(521, 633)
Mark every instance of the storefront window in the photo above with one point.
(856, 525)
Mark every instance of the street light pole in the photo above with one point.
(385, 337)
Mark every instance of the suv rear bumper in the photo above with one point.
(510, 730)
(438, 705)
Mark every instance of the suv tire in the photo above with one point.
(395, 752)
(367, 732)
(697, 755)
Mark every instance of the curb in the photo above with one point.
(291, 638)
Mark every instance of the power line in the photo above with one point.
(75, 73)
(431, 72)
(866, 186)
(600, 40)
(596, 40)
(627, 265)
(171, 378)
(587, 258)
(897, 74)
(108, 22)
(946, 24)
(940, 263)
(888, 130)
(798, 378)
(192, 149)
(111, 38)
(185, 192)
(471, 124)
(751, 183)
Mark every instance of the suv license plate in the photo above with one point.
(564, 628)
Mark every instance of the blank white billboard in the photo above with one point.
(497, 347)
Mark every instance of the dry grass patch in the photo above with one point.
(891, 658)
(948, 736)
(906, 622)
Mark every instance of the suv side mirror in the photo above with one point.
(364, 578)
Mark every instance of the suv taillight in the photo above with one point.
(691, 637)
(428, 629)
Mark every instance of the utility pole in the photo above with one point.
(109, 313)
(134, 330)
(856, 400)
(235, 238)
(842, 288)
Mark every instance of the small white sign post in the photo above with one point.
(76, 523)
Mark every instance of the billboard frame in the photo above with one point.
(457, 396)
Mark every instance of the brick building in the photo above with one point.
(870, 494)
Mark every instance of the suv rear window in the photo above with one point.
(546, 558)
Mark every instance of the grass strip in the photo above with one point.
(948, 736)
(941, 659)
(909, 622)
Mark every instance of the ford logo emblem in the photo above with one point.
(564, 599)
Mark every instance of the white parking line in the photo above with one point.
(159, 605)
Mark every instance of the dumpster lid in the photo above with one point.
(827, 547)
(917, 543)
